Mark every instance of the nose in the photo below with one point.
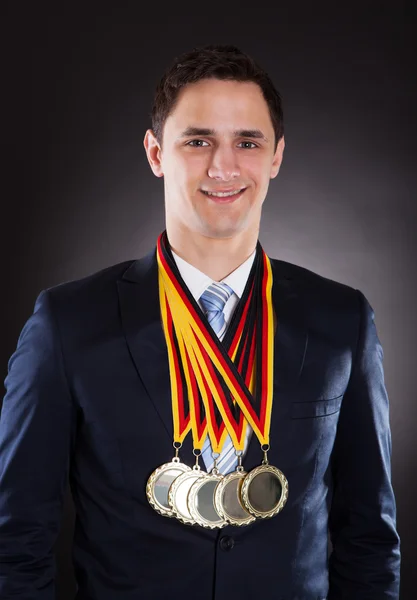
(223, 166)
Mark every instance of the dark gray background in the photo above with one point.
(79, 194)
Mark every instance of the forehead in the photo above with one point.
(218, 104)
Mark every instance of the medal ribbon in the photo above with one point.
(226, 385)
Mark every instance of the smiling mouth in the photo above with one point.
(224, 195)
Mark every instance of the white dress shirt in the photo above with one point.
(197, 282)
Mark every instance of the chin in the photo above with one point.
(221, 230)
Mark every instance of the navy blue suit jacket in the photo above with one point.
(88, 397)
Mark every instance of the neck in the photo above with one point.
(216, 258)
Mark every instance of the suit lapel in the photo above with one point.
(140, 314)
(141, 321)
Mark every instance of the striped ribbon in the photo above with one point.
(218, 388)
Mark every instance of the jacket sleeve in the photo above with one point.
(37, 428)
(365, 559)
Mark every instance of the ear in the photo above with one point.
(277, 160)
(153, 152)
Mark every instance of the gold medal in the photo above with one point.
(264, 490)
(159, 483)
(227, 498)
(201, 501)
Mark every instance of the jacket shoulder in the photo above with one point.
(97, 279)
(312, 281)
(326, 304)
(101, 281)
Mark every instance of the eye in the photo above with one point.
(252, 145)
(196, 143)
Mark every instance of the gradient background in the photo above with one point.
(80, 195)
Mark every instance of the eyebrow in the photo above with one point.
(250, 133)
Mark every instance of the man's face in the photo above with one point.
(218, 139)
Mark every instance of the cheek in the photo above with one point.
(256, 169)
(188, 171)
(175, 175)
(182, 183)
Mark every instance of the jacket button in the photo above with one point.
(227, 543)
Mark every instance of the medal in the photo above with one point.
(201, 501)
(179, 490)
(227, 498)
(160, 481)
(264, 490)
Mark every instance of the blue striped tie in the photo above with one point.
(213, 301)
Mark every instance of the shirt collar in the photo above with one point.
(197, 281)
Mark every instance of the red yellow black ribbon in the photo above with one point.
(218, 387)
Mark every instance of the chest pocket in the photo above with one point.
(315, 409)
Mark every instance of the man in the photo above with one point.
(90, 388)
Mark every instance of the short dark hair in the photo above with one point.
(213, 62)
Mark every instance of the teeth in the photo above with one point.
(223, 194)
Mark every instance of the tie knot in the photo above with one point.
(215, 297)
